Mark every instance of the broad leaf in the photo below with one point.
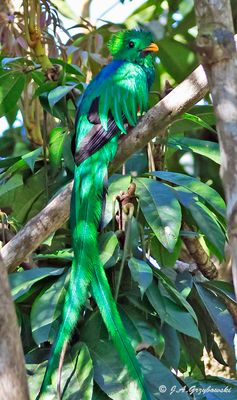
(44, 311)
(161, 210)
(205, 220)
(110, 374)
(171, 354)
(56, 141)
(11, 87)
(213, 388)
(218, 313)
(109, 249)
(58, 93)
(171, 313)
(161, 383)
(174, 294)
(78, 374)
(141, 273)
(13, 183)
(21, 282)
(221, 288)
(30, 158)
(203, 147)
(196, 186)
(199, 121)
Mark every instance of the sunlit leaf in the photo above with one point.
(11, 87)
(30, 158)
(199, 121)
(203, 147)
(58, 93)
(21, 282)
(56, 141)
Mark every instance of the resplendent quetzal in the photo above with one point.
(113, 99)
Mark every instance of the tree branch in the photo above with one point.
(13, 384)
(184, 96)
(217, 49)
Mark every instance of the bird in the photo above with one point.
(112, 101)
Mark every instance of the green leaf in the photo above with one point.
(109, 249)
(44, 311)
(185, 126)
(58, 93)
(8, 161)
(77, 374)
(66, 254)
(11, 184)
(215, 388)
(130, 325)
(70, 68)
(167, 386)
(59, 110)
(218, 313)
(11, 87)
(171, 354)
(171, 313)
(27, 199)
(162, 255)
(161, 210)
(141, 273)
(110, 374)
(196, 186)
(21, 282)
(140, 329)
(93, 330)
(44, 87)
(176, 58)
(56, 142)
(175, 295)
(203, 147)
(16, 168)
(205, 220)
(199, 121)
(98, 394)
(221, 288)
(30, 158)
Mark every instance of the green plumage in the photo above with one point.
(111, 100)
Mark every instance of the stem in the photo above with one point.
(45, 156)
(125, 250)
(26, 19)
(33, 32)
(143, 243)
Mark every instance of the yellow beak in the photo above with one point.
(151, 47)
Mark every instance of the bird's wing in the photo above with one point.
(110, 103)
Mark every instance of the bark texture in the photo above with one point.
(217, 49)
(13, 384)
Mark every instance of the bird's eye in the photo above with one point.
(131, 44)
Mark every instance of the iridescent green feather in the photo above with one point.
(122, 91)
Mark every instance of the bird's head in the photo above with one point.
(132, 45)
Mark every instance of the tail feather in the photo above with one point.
(108, 309)
(86, 211)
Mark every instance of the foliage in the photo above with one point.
(170, 316)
